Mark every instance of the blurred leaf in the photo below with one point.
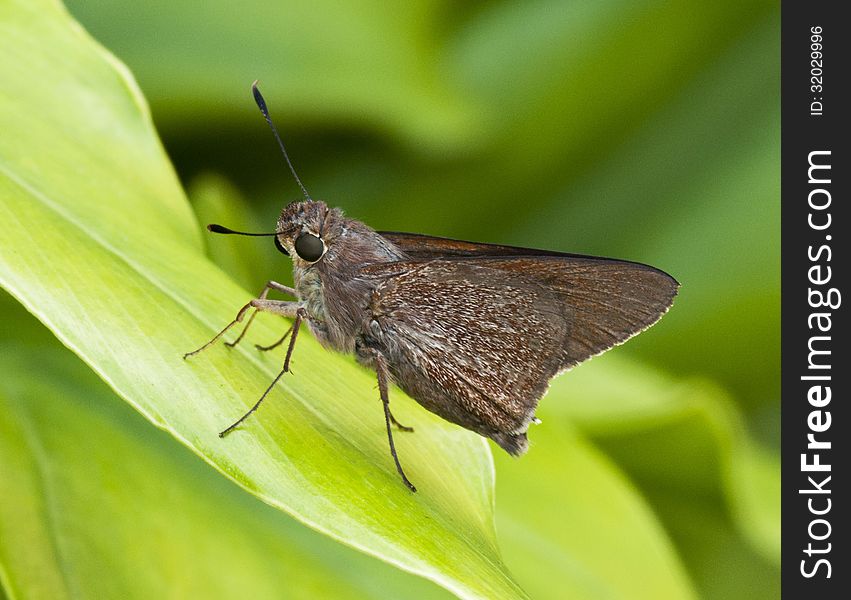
(216, 200)
(685, 446)
(572, 526)
(103, 249)
(357, 63)
(696, 191)
(89, 489)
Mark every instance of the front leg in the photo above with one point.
(271, 285)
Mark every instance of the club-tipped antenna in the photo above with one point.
(261, 104)
(216, 228)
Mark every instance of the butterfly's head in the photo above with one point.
(306, 230)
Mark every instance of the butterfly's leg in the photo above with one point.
(272, 285)
(382, 373)
(397, 423)
(275, 344)
(286, 309)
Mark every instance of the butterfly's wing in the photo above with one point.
(476, 338)
(421, 247)
(611, 300)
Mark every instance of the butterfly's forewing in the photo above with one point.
(608, 300)
(419, 246)
(513, 319)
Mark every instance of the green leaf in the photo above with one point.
(103, 249)
(98, 504)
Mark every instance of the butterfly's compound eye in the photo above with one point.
(309, 247)
(280, 246)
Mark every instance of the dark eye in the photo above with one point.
(309, 247)
(280, 246)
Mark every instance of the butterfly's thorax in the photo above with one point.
(308, 285)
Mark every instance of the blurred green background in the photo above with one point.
(641, 130)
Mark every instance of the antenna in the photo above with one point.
(261, 104)
(215, 228)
